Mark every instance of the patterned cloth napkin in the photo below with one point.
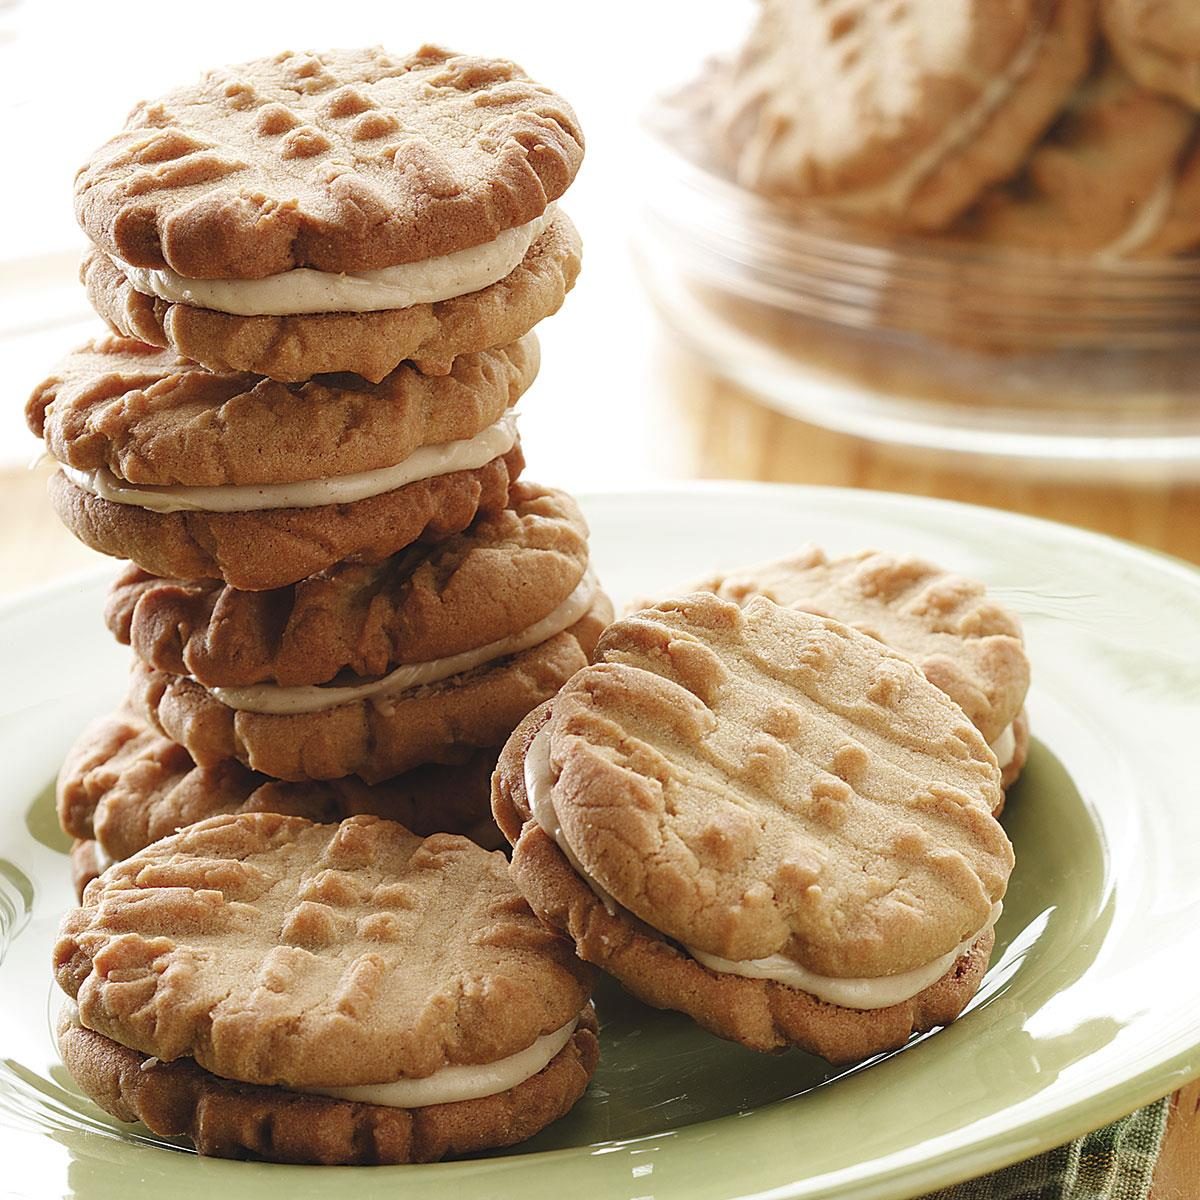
(1113, 1163)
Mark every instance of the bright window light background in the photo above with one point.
(70, 71)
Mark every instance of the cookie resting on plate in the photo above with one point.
(337, 994)
(763, 819)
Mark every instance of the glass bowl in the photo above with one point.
(928, 341)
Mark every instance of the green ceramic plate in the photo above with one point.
(1089, 1010)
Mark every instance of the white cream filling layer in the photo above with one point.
(427, 462)
(270, 698)
(1005, 747)
(307, 291)
(879, 992)
(859, 993)
(452, 1084)
(1148, 221)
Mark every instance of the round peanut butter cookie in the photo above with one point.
(151, 418)
(257, 550)
(345, 993)
(320, 733)
(1158, 43)
(963, 641)
(898, 112)
(507, 571)
(766, 820)
(342, 161)
(123, 785)
(1103, 181)
(293, 347)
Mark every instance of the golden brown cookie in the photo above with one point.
(1158, 43)
(508, 570)
(295, 347)
(123, 785)
(898, 112)
(271, 548)
(375, 737)
(152, 418)
(964, 642)
(766, 820)
(273, 970)
(341, 161)
(1102, 182)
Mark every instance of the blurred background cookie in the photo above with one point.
(897, 112)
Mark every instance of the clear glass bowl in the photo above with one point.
(925, 341)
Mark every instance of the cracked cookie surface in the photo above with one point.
(278, 952)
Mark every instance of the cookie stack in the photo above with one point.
(322, 272)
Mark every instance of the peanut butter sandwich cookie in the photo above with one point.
(898, 112)
(337, 994)
(964, 642)
(340, 211)
(1158, 43)
(372, 670)
(123, 785)
(766, 820)
(210, 475)
(1109, 181)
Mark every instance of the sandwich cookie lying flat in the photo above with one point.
(336, 994)
(1158, 43)
(437, 710)
(963, 641)
(1105, 182)
(763, 819)
(509, 570)
(123, 785)
(340, 211)
(201, 474)
(902, 113)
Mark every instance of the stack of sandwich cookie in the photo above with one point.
(123, 786)
(764, 819)
(962, 640)
(336, 994)
(322, 273)
(343, 211)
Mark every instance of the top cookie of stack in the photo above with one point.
(342, 211)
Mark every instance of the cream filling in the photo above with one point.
(465, 1082)
(426, 462)
(894, 194)
(447, 1086)
(1144, 226)
(879, 992)
(104, 860)
(270, 698)
(1005, 747)
(304, 290)
(859, 993)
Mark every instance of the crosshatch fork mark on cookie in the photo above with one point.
(279, 952)
(765, 745)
